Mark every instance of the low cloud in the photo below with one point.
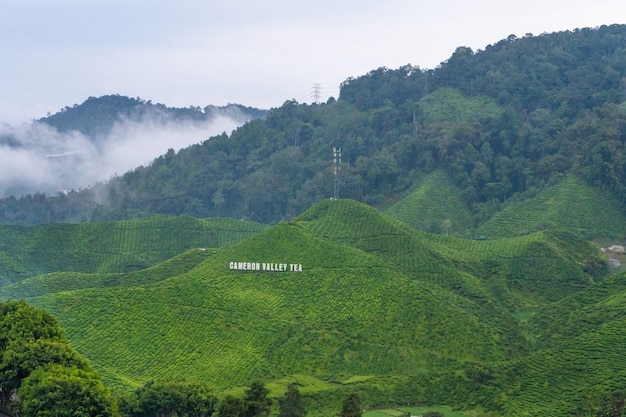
(37, 158)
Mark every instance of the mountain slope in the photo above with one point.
(375, 298)
(571, 204)
(345, 314)
(435, 206)
(68, 281)
(96, 116)
(27, 251)
(539, 266)
(579, 355)
(502, 123)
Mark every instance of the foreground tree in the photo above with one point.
(20, 359)
(231, 407)
(291, 403)
(65, 392)
(257, 403)
(36, 362)
(21, 323)
(351, 406)
(166, 399)
(614, 405)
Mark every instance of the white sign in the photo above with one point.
(265, 266)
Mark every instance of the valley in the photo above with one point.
(457, 267)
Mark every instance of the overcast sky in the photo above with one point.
(253, 52)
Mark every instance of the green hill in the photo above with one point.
(571, 204)
(579, 355)
(502, 123)
(110, 247)
(379, 307)
(345, 314)
(539, 266)
(96, 116)
(435, 206)
(68, 281)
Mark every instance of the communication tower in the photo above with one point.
(336, 161)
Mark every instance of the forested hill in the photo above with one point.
(502, 123)
(96, 116)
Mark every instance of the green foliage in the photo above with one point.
(351, 406)
(515, 326)
(613, 405)
(231, 406)
(51, 378)
(21, 358)
(21, 323)
(434, 206)
(291, 404)
(420, 411)
(502, 123)
(111, 247)
(570, 204)
(67, 281)
(173, 398)
(447, 105)
(62, 391)
(256, 401)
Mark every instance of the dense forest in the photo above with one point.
(96, 116)
(503, 123)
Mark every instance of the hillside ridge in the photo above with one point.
(503, 123)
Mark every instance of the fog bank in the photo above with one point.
(37, 158)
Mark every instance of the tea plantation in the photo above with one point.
(513, 326)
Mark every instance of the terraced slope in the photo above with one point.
(569, 205)
(542, 266)
(347, 313)
(110, 247)
(379, 307)
(435, 205)
(580, 354)
(68, 281)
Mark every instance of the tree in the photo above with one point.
(351, 406)
(63, 392)
(20, 359)
(291, 403)
(257, 403)
(167, 398)
(614, 405)
(231, 407)
(22, 323)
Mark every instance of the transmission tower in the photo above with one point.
(316, 93)
(336, 161)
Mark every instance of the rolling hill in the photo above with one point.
(503, 124)
(570, 204)
(435, 205)
(518, 144)
(379, 307)
(110, 247)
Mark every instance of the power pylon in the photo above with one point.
(316, 94)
